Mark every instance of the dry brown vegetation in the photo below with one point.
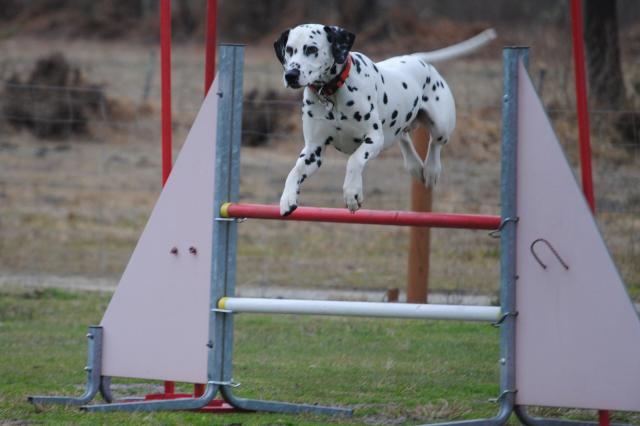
(75, 204)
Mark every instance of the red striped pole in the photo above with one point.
(370, 217)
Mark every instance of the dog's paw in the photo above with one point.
(431, 174)
(416, 170)
(353, 198)
(288, 204)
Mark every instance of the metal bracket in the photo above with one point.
(503, 395)
(230, 219)
(222, 311)
(503, 317)
(496, 232)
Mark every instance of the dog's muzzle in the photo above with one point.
(291, 77)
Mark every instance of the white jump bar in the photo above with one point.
(360, 309)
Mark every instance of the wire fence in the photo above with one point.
(74, 205)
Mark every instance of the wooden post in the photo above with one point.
(419, 238)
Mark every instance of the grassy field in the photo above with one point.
(388, 371)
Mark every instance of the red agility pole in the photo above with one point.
(583, 124)
(581, 101)
(210, 44)
(370, 217)
(165, 72)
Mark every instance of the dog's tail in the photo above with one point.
(460, 49)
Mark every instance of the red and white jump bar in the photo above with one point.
(371, 217)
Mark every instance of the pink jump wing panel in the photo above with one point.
(578, 334)
(156, 325)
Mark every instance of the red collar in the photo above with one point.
(336, 83)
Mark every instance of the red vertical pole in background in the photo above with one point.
(165, 66)
(581, 100)
(165, 71)
(210, 44)
(209, 72)
(583, 124)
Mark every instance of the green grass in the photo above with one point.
(389, 371)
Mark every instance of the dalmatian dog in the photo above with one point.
(361, 107)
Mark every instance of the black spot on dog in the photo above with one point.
(367, 116)
(437, 98)
(382, 77)
(334, 69)
(352, 88)
(375, 126)
(404, 84)
(309, 114)
(318, 151)
(415, 102)
(319, 163)
(350, 103)
(328, 140)
(397, 130)
(393, 123)
(338, 128)
(370, 107)
(403, 62)
(383, 122)
(303, 178)
(385, 99)
(422, 63)
(369, 97)
(394, 114)
(433, 87)
(329, 116)
(301, 155)
(368, 140)
(428, 79)
(408, 116)
(366, 155)
(308, 102)
(342, 116)
(440, 138)
(425, 98)
(375, 68)
(357, 116)
(357, 140)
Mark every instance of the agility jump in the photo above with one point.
(562, 302)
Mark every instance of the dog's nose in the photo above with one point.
(291, 76)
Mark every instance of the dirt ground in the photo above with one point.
(75, 206)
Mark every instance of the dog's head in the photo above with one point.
(309, 52)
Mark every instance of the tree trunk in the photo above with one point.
(606, 82)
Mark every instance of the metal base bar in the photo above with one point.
(528, 420)
(94, 374)
(360, 309)
(280, 407)
(167, 404)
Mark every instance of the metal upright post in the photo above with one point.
(509, 218)
(227, 189)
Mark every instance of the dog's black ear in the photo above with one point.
(280, 45)
(341, 42)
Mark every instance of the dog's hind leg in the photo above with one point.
(412, 161)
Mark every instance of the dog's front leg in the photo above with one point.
(352, 189)
(308, 162)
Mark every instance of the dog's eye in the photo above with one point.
(289, 50)
(310, 50)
